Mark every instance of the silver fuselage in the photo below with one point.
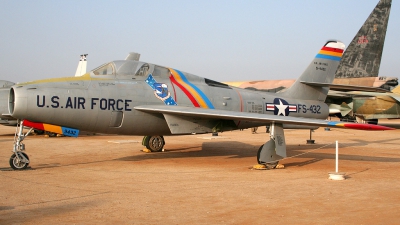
(105, 103)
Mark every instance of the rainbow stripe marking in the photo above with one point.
(359, 126)
(330, 53)
(196, 96)
(52, 128)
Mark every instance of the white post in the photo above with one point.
(337, 175)
(337, 157)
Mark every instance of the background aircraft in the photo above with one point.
(4, 90)
(138, 98)
(369, 106)
(358, 69)
(81, 69)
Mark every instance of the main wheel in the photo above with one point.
(270, 165)
(18, 164)
(155, 143)
(38, 132)
(51, 134)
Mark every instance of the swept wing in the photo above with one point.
(181, 113)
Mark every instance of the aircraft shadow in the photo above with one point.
(59, 206)
(7, 135)
(234, 149)
(53, 165)
(242, 150)
(207, 149)
(318, 156)
(6, 140)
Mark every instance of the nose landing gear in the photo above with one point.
(19, 160)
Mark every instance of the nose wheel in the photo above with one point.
(19, 160)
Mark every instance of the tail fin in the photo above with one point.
(81, 66)
(313, 84)
(363, 56)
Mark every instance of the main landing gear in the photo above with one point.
(273, 150)
(19, 160)
(154, 143)
(268, 165)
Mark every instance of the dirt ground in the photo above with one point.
(104, 179)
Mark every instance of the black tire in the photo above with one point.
(16, 164)
(372, 121)
(38, 132)
(51, 134)
(155, 143)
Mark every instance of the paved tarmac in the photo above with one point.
(107, 179)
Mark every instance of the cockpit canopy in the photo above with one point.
(123, 67)
(138, 69)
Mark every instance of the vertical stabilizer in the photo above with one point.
(313, 83)
(81, 66)
(363, 56)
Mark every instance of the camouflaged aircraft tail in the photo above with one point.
(313, 84)
(363, 56)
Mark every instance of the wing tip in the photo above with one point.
(360, 126)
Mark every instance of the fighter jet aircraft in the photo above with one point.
(370, 106)
(138, 98)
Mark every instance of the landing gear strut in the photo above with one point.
(154, 143)
(19, 160)
(273, 150)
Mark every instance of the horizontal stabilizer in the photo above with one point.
(343, 109)
(337, 94)
(339, 87)
(253, 117)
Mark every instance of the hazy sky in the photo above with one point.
(220, 40)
